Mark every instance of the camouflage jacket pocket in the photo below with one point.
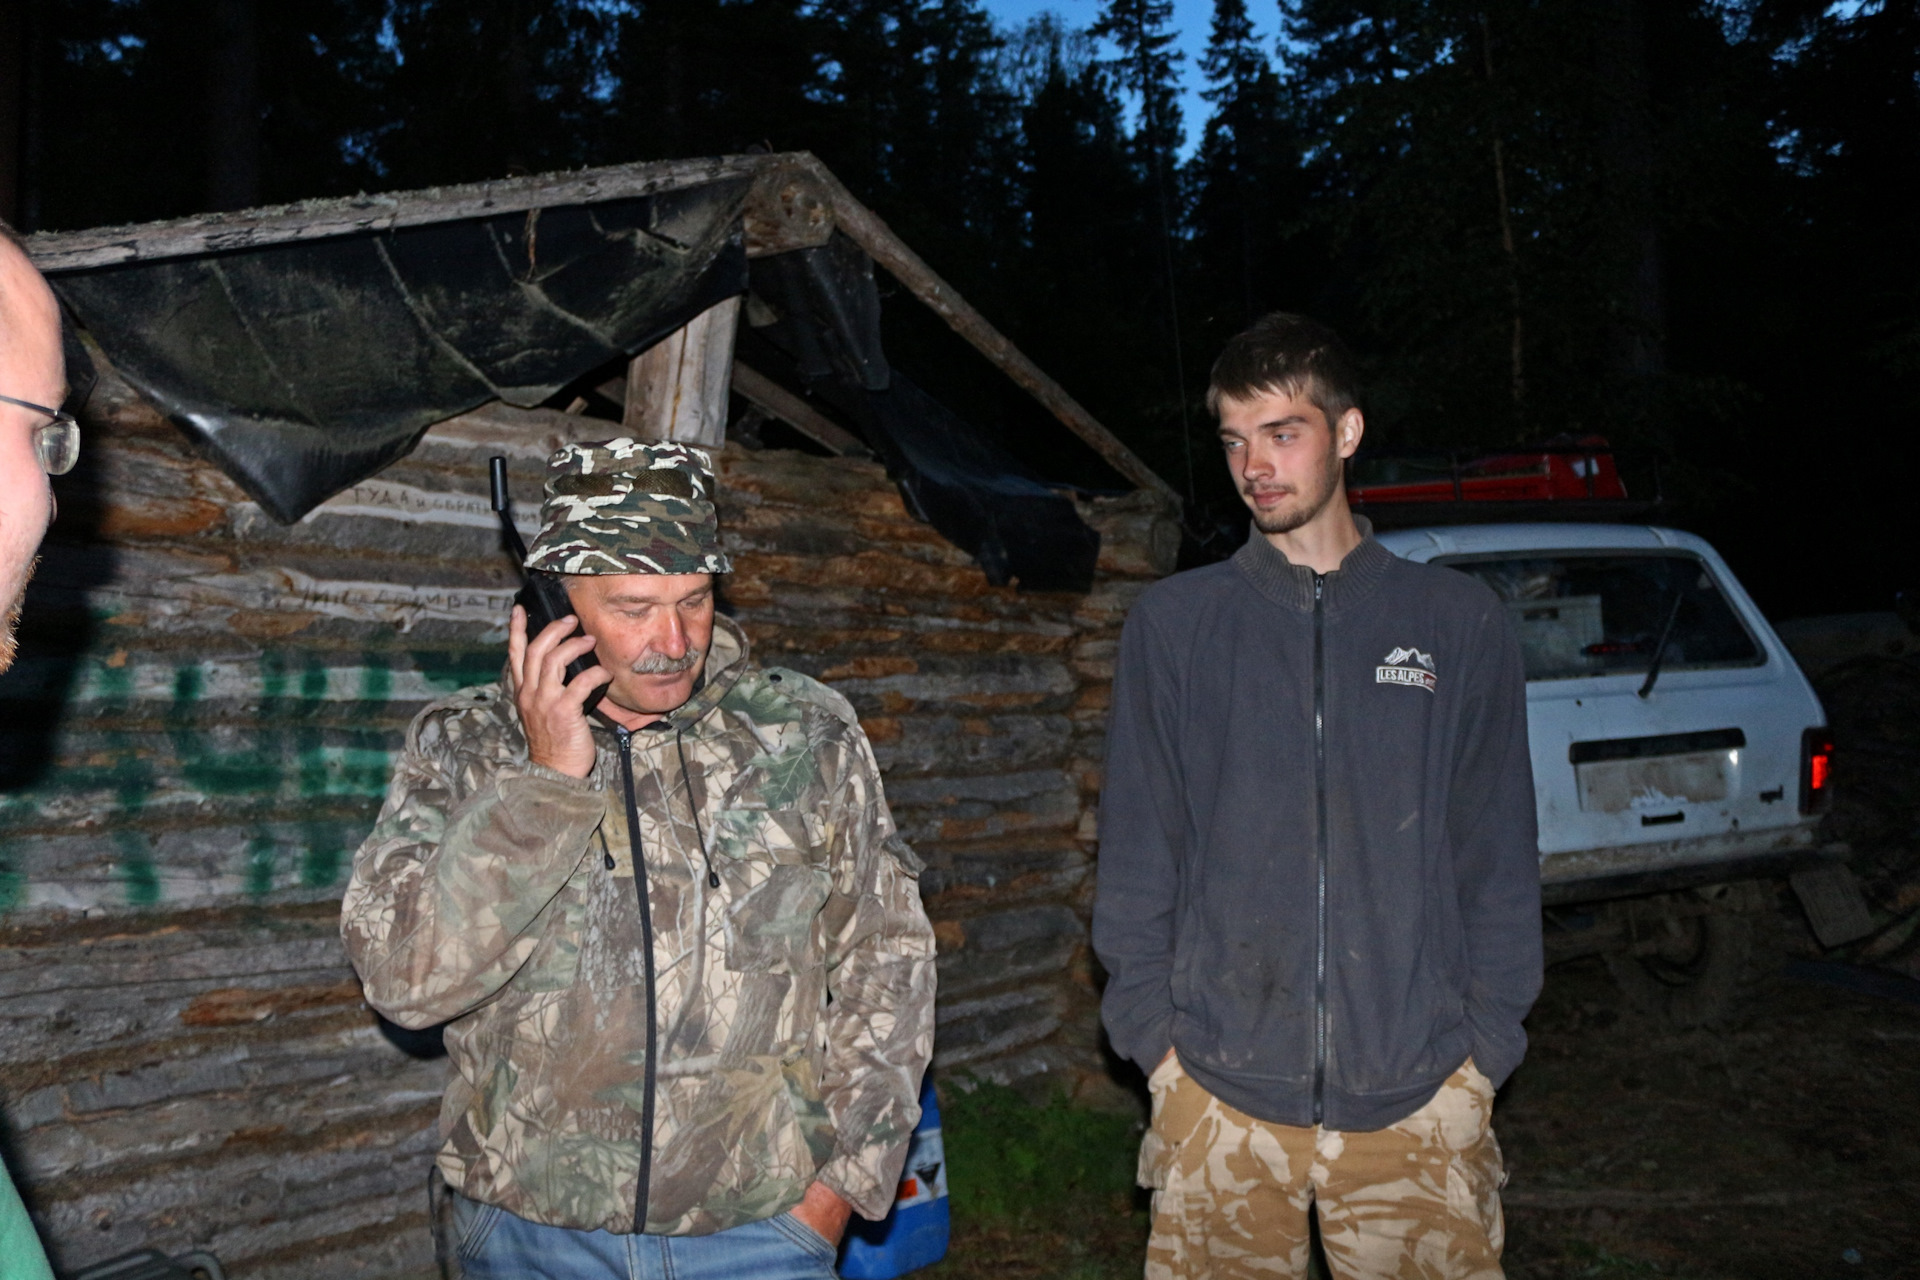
(773, 863)
(555, 962)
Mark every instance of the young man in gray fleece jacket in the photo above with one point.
(1319, 894)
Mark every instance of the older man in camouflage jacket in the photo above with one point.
(698, 1070)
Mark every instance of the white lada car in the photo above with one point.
(1678, 751)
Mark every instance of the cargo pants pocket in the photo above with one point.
(1475, 1169)
(1157, 1148)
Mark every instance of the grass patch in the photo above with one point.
(1604, 1264)
(1039, 1191)
(1010, 1160)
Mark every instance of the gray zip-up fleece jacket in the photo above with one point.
(1319, 874)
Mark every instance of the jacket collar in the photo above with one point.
(1286, 583)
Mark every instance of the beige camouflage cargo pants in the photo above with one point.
(1417, 1201)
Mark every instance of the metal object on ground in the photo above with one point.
(1854, 977)
(1834, 907)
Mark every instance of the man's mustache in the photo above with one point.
(659, 664)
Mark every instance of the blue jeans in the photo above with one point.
(497, 1245)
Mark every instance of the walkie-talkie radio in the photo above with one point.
(544, 599)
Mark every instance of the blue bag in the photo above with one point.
(914, 1232)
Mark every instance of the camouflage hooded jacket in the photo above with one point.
(791, 1003)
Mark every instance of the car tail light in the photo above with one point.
(1816, 770)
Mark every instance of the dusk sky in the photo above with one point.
(1191, 17)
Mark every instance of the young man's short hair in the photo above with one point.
(1290, 353)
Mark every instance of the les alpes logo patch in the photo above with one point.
(1406, 666)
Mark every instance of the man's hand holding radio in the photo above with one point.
(552, 710)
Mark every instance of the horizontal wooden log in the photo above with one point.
(968, 877)
(971, 1030)
(1139, 534)
(254, 1204)
(1020, 946)
(849, 486)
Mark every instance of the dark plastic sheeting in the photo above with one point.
(826, 325)
(978, 495)
(828, 319)
(303, 368)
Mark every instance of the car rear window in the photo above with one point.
(1595, 615)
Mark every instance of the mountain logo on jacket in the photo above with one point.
(1406, 666)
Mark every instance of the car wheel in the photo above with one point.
(1687, 956)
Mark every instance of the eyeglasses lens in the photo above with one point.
(58, 444)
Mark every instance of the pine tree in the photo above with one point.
(1146, 64)
(703, 77)
(120, 92)
(483, 88)
(1247, 196)
(919, 123)
(1434, 185)
(923, 125)
(1091, 253)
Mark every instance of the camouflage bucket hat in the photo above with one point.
(628, 506)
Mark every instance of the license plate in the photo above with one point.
(1655, 782)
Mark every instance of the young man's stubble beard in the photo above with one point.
(1286, 520)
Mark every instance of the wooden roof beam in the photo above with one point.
(784, 210)
(776, 401)
(890, 251)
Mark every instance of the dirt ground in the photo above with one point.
(1780, 1144)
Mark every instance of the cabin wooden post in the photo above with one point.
(677, 388)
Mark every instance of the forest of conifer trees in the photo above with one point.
(1677, 224)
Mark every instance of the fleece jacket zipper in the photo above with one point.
(1320, 824)
(646, 959)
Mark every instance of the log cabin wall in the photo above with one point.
(198, 735)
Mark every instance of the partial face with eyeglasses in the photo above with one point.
(36, 439)
(56, 441)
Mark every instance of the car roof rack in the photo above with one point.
(1564, 479)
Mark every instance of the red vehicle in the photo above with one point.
(1563, 469)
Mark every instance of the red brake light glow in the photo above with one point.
(1816, 770)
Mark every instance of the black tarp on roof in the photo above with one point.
(302, 368)
(825, 324)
